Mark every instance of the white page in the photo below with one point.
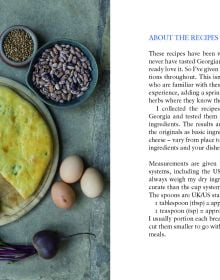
(182, 254)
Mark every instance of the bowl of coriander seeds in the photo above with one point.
(18, 45)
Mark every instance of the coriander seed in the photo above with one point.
(18, 45)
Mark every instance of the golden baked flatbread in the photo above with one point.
(25, 143)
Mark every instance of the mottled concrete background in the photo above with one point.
(84, 131)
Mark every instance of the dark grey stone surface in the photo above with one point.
(83, 130)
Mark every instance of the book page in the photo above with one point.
(168, 188)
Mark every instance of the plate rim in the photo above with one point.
(27, 94)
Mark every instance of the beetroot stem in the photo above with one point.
(73, 235)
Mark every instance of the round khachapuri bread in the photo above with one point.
(25, 143)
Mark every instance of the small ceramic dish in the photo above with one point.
(93, 74)
(2, 51)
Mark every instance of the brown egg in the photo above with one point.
(92, 183)
(71, 169)
(62, 195)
